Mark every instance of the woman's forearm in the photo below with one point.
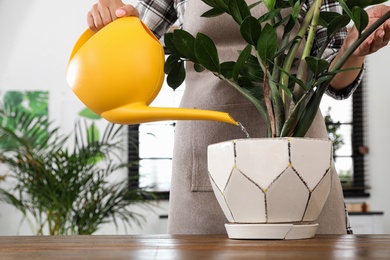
(344, 79)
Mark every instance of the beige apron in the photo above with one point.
(193, 208)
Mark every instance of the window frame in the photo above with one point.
(359, 187)
(133, 156)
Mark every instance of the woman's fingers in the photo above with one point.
(105, 11)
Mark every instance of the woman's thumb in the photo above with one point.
(126, 10)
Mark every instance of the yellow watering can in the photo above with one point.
(118, 71)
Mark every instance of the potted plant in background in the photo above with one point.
(64, 190)
(333, 130)
(273, 187)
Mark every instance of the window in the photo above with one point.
(152, 145)
(345, 123)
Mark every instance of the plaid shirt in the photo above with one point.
(159, 15)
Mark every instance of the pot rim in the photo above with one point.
(321, 139)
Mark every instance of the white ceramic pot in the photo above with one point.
(271, 188)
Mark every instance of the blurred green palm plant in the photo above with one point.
(64, 190)
(262, 73)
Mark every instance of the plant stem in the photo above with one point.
(252, 99)
(311, 14)
(312, 31)
(294, 48)
(268, 104)
(293, 118)
(302, 68)
(273, 107)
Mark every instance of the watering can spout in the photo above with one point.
(140, 113)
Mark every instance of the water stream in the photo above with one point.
(244, 130)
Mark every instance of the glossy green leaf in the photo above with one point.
(170, 45)
(244, 56)
(282, 22)
(222, 4)
(284, 3)
(299, 82)
(210, 3)
(327, 17)
(296, 9)
(176, 76)
(254, 4)
(253, 90)
(170, 63)
(360, 18)
(358, 3)
(267, 43)
(362, 3)
(227, 69)
(252, 70)
(184, 43)
(316, 65)
(345, 7)
(239, 10)
(289, 26)
(198, 67)
(338, 23)
(206, 52)
(213, 12)
(269, 15)
(270, 4)
(250, 30)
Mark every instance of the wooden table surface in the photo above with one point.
(199, 247)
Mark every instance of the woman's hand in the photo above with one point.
(377, 39)
(106, 11)
(373, 43)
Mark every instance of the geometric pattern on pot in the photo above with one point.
(245, 199)
(270, 184)
(301, 159)
(316, 201)
(286, 198)
(221, 201)
(266, 164)
(221, 161)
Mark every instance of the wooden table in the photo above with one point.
(199, 247)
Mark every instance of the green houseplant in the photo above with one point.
(273, 188)
(262, 73)
(64, 190)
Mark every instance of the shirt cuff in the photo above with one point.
(348, 91)
(329, 55)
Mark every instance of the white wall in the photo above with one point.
(36, 40)
(37, 37)
(378, 132)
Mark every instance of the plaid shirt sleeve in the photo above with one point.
(333, 48)
(159, 15)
